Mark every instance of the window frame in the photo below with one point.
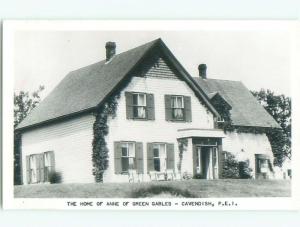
(176, 108)
(139, 105)
(128, 156)
(159, 157)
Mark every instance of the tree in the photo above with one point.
(279, 107)
(24, 102)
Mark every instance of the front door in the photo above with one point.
(207, 162)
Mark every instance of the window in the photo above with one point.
(127, 156)
(178, 108)
(159, 157)
(177, 105)
(38, 167)
(139, 105)
(33, 168)
(263, 165)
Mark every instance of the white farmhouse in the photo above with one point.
(165, 125)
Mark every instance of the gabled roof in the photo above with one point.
(215, 95)
(85, 89)
(246, 110)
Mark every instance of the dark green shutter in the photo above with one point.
(118, 155)
(187, 109)
(139, 157)
(150, 161)
(168, 109)
(170, 156)
(52, 160)
(28, 175)
(129, 105)
(150, 107)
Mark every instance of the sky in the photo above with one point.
(260, 59)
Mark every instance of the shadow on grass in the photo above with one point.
(157, 190)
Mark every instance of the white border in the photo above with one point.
(9, 28)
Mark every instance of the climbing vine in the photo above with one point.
(182, 146)
(100, 128)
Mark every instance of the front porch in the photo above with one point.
(201, 154)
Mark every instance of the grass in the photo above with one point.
(187, 188)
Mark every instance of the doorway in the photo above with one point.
(207, 162)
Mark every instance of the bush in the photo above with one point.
(230, 167)
(187, 176)
(161, 189)
(245, 170)
(234, 169)
(55, 177)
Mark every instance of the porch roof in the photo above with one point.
(198, 132)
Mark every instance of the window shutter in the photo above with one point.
(150, 107)
(170, 156)
(187, 109)
(168, 109)
(52, 160)
(38, 171)
(150, 161)
(42, 167)
(28, 175)
(139, 157)
(118, 155)
(129, 105)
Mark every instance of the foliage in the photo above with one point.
(244, 170)
(182, 146)
(55, 177)
(234, 169)
(24, 102)
(100, 129)
(230, 167)
(154, 190)
(279, 107)
(223, 109)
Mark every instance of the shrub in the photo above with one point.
(234, 169)
(55, 177)
(161, 189)
(230, 167)
(245, 170)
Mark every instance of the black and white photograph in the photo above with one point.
(185, 112)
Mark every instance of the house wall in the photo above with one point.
(245, 145)
(71, 141)
(158, 130)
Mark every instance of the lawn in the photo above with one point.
(187, 188)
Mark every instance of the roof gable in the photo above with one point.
(246, 111)
(85, 89)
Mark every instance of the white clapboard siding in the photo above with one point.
(159, 130)
(71, 141)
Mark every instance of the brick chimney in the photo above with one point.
(202, 70)
(110, 50)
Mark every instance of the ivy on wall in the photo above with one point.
(100, 153)
(182, 146)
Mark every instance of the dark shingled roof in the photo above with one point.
(85, 88)
(246, 110)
